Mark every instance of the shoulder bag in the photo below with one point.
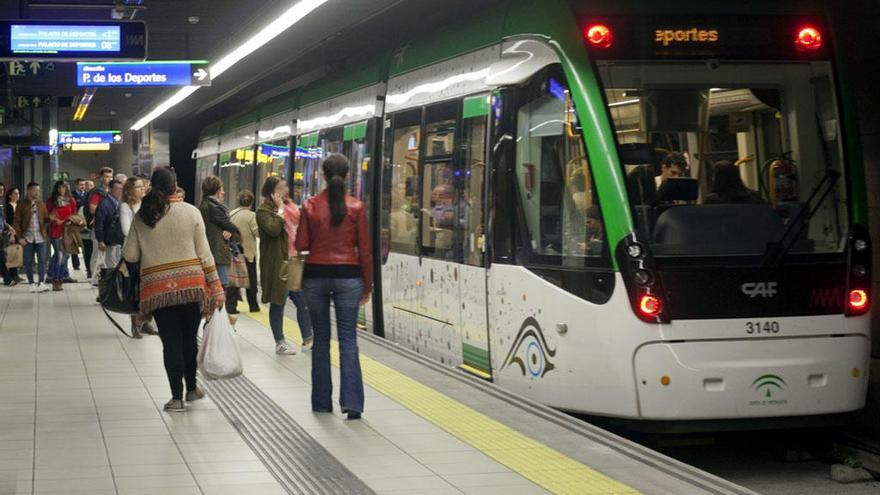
(119, 288)
(238, 273)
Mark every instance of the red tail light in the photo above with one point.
(650, 305)
(598, 35)
(809, 38)
(858, 300)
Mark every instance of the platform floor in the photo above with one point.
(80, 413)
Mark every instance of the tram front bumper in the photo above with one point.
(752, 378)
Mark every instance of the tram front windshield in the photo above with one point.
(723, 158)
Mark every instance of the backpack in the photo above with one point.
(89, 216)
(114, 235)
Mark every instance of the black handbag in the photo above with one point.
(120, 292)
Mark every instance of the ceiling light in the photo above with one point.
(83, 104)
(290, 17)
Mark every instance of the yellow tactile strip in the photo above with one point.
(544, 466)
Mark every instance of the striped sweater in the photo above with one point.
(176, 262)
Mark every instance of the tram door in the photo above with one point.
(434, 277)
(472, 184)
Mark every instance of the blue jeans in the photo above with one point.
(345, 293)
(223, 274)
(276, 317)
(29, 250)
(58, 263)
(302, 313)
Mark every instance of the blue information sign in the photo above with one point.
(89, 137)
(274, 151)
(51, 38)
(161, 73)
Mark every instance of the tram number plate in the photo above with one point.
(762, 327)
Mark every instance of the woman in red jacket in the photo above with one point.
(333, 230)
(60, 206)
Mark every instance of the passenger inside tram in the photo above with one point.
(442, 214)
(674, 164)
(759, 144)
(403, 222)
(728, 187)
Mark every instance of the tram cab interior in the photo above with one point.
(775, 123)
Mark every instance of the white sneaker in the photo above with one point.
(285, 348)
(33, 288)
(42, 287)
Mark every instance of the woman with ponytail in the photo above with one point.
(179, 282)
(333, 231)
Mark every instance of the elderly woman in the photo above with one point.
(219, 228)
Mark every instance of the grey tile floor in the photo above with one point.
(81, 414)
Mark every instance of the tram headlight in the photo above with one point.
(650, 305)
(635, 250)
(642, 277)
(858, 300)
(860, 271)
(860, 245)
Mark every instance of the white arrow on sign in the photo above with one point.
(201, 74)
(117, 137)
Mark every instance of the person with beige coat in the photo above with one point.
(245, 219)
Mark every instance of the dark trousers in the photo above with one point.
(75, 259)
(87, 256)
(252, 288)
(233, 294)
(178, 329)
(3, 271)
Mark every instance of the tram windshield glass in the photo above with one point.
(729, 158)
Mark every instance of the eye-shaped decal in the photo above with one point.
(530, 351)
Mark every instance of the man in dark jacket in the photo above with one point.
(104, 216)
(79, 194)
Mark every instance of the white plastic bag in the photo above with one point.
(220, 356)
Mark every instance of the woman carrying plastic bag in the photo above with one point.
(219, 356)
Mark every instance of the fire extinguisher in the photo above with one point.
(783, 180)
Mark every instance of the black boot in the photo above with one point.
(233, 294)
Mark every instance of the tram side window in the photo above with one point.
(474, 146)
(555, 183)
(441, 209)
(355, 149)
(403, 175)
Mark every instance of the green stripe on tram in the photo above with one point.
(476, 357)
(475, 106)
(352, 132)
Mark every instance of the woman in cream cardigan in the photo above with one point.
(178, 284)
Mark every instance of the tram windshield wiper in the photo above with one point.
(777, 250)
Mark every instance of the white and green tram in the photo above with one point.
(526, 230)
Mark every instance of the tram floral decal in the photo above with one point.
(530, 351)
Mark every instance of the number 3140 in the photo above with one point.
(762, 327)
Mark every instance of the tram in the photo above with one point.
(526, 230)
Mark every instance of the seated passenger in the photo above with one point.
(641, 188)
(673, 165)
(728, 187)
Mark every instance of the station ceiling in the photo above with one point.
(207, 29)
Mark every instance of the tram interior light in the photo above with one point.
(808, 38)
(598, 35)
